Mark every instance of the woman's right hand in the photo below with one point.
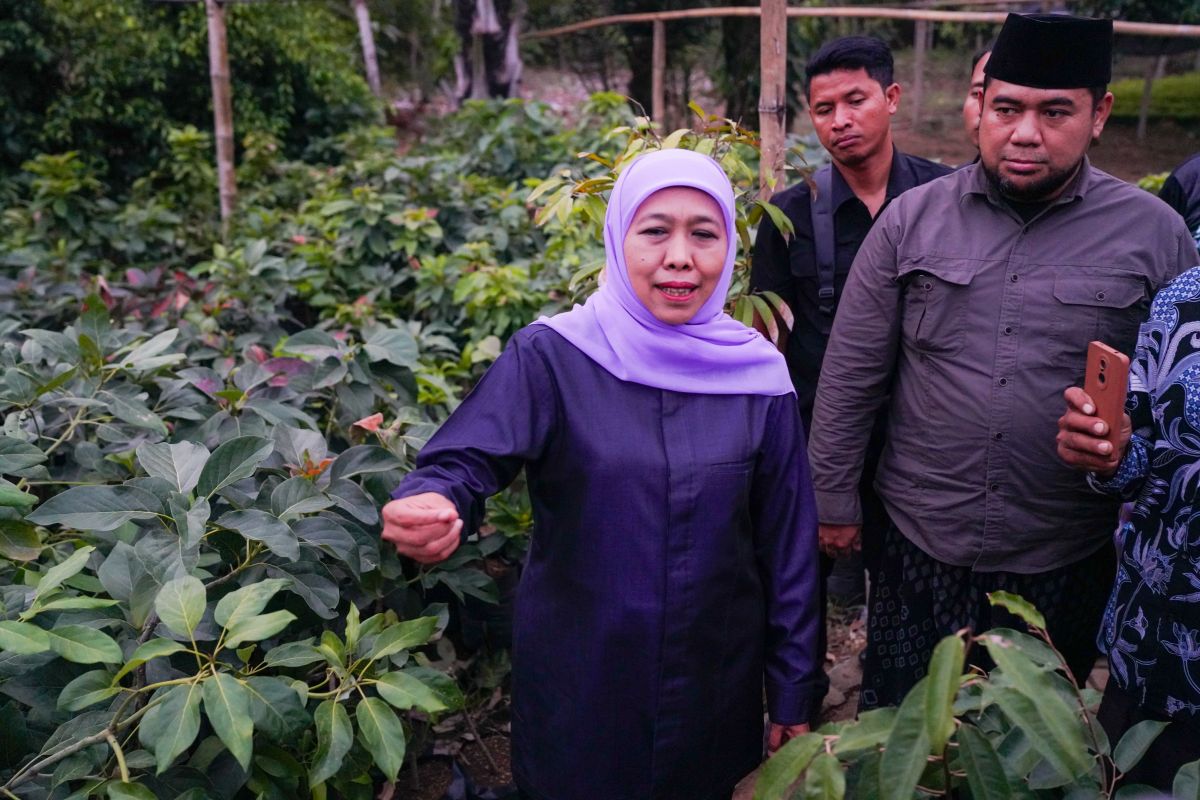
(424, 527)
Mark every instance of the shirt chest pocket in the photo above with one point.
(933, 318)
(1095, 304)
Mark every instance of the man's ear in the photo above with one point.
(892, 95)
(1100, 115)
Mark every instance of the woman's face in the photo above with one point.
(675, 252)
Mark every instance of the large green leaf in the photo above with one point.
(382, 735)
(297, 496)
(135, 413)
(868, 732)
(16, 456)
(19, 541)
(1135, 742)
(148, 355)
(783, 769)
(255, 629)
(22, 638)
(84, 645)
(118, 790)
(87, 690)
(232, 461)
(155, 648)
(1187, 782)
(1019, 607)
(226, 703)
(405, 691)
(361, 459)
(248, 601)
(907, 747)
(180, 604)
(402, 636)
(293, 654)
(266, 528)
(276, 708)
(191, 520)
(97, 508)
(985, 773)
(394, 345)
(171, 724)
(69, 568)
(945, 675)
(334, 739)
(12, 497)
(179, 464)
(824, 779)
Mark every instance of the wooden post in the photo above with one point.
(218, 70)
(367, 37)
(772, 102)
(1154, 71)
(658, 68)
(920, 37)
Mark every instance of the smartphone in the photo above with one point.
(1106, 382)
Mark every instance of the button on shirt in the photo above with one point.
(789, 268)
(984, 320)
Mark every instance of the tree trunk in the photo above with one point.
(218, 69)
(739, 44)
(772, 103)
(1154, 70)
(367, 37)
(658, 68)
(920, 39)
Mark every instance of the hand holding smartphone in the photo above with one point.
(1106, 382)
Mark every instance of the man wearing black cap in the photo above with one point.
(973, 300)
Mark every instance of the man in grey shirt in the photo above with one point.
(974, 298)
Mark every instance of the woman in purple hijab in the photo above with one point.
(672, 570)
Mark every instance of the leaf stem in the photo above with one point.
(119, 753)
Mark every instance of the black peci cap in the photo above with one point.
(1053, 51)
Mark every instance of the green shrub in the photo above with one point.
(1172, 97)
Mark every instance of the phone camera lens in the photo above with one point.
(1101, 379)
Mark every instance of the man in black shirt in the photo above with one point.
(851, 97)
(1181, 191)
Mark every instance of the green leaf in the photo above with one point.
(1187, 782)
(334, 739)
(907, 747)
(86, 690)
(19, 540)
(180, 604)
(276, 708)
(136, 414)
(985, 773)
(84, 645)
(12, 497)
(22, 638)
(297, 496)
(783, 769)
(97, 508)
(444, 686)
(945, 675)
(146, 356)
(1019, 607)
(118, 790)
(868, 732)
(17, 456)
(70, 604)
(382, 735)
(1135, 742)
(249, 601)
(155, 648)
(293, 654)
(258, 628)
(362, 459)
(69, 568)
(225, 703)
(266, 528)
(824, 779)
(179, 464)
(394, 345)
(236, 459)
(402, 636)
(405, 691)
(171, 724)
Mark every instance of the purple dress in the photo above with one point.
(671, 575)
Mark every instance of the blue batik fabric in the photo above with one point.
(1151, 628)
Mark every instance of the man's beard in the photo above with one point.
(1041, 189)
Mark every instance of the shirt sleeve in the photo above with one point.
(785, 529)
(770, 263)
(855, 374)
(504, 422)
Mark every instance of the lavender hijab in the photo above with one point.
(710, 354)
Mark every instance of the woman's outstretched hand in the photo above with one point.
(424, 527)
